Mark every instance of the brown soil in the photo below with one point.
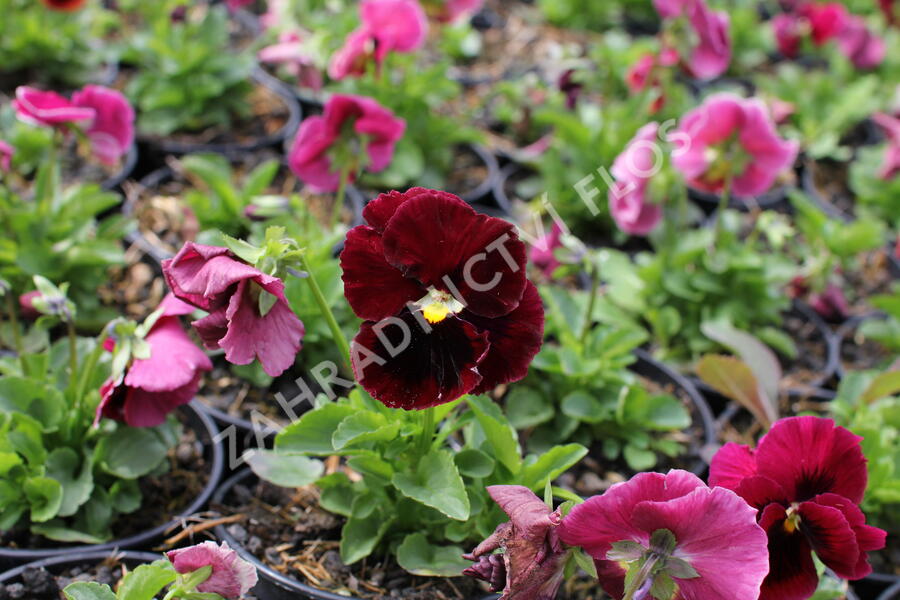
(805, 372)
(859, 353)
(830, 180)
(39, 584)
(237, 397)
(288, 531)
(136, 288)
(162, 496)
(871, 276)
(467, 172)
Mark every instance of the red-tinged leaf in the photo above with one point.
(753, 352)
(886, 384)
(733, 378)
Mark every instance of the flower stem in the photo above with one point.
(723, 206)
(87, 370)
(73, 350)
(326, 311)
(339, 199)
(592, 300)
(14, 324)
(643, 581)
(427, 434)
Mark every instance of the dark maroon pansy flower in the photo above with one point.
(64, 5)
(806, 478)
(447, 308)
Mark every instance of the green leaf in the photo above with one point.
(680, 568)
(732, 378)
(286, 470)
(551, 465)
(146, 581)
(625, 551)
(585, 407)
(125, 495)
(359, 537)
(886, 384)
(420, 557)
(472, 462)
(373, 467)
(639, 459)
(260, 178)
(131, 452)
(83, 590)
(57, 531)
(527, 408)
(584, 561)
(313, 433)
(663, 587)
(499, 433)
(364, 427)
(44, 496)
(436, 483)
(62, 465)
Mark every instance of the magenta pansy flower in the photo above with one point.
(234, 5)
(347, 119)
(387, 26)
(112, 129)
(633, 169)
(213, 279)
(48, 108)
(819, 22)
(530, 566)
(6, 154)
(807, 478)
(232, 577)
(153, 387)
(290, 53)
(715, 533)
(858, 43)
(543, 253)
(710, 52)
(891, 127)
(732, 136)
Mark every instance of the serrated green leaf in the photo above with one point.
(420, 557)
(436, 483)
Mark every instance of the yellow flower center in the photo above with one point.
(437, 306)
(792, 523)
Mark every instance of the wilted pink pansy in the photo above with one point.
(49, 109)
(387, 26)
(891, 127)
(6, 154)
(232, 577)
(806, 478)
(153, 387)
(865, 49)
(213, 279)
(710, 52)
(112, 129)
(347, 120)
(831, 303)
(543, 252)
(729, 136)
(715, 532)
(633, 169)
(531, 564)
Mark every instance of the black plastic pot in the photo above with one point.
(666, 376)
(236, 149)
(504, 185)
(353, 199)
(58, 564)
(115, 180)
(844, 335)
(207, 433)
(812, 192)
(272, 585)
(878, 586)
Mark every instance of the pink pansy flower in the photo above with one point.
(715, 533)
(387, 26)
(6, 154)
(235, 5)
(864, 49)
(367, 121)
(531, 565)
(710, 55)
(112, 129)
(732, 136)
(891, 127)
(153, 387)
(825, 21)
(290, 53)
(213, 279)
(807, 478)
(26, 305)
(48, 108)
(232, 577)
(789, 30)
(629, 205)
(543, 254)
(453, 11)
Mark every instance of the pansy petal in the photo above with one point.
(831, 536)
(808, 456)
(374, 288)
(173, 361)
(441, 241)
(759, 492)
(792, 572)
(514, 339)
(868, 538)
(143, 408)
(732, 464)
(212, 328)
(201, 274)
(426, 369)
